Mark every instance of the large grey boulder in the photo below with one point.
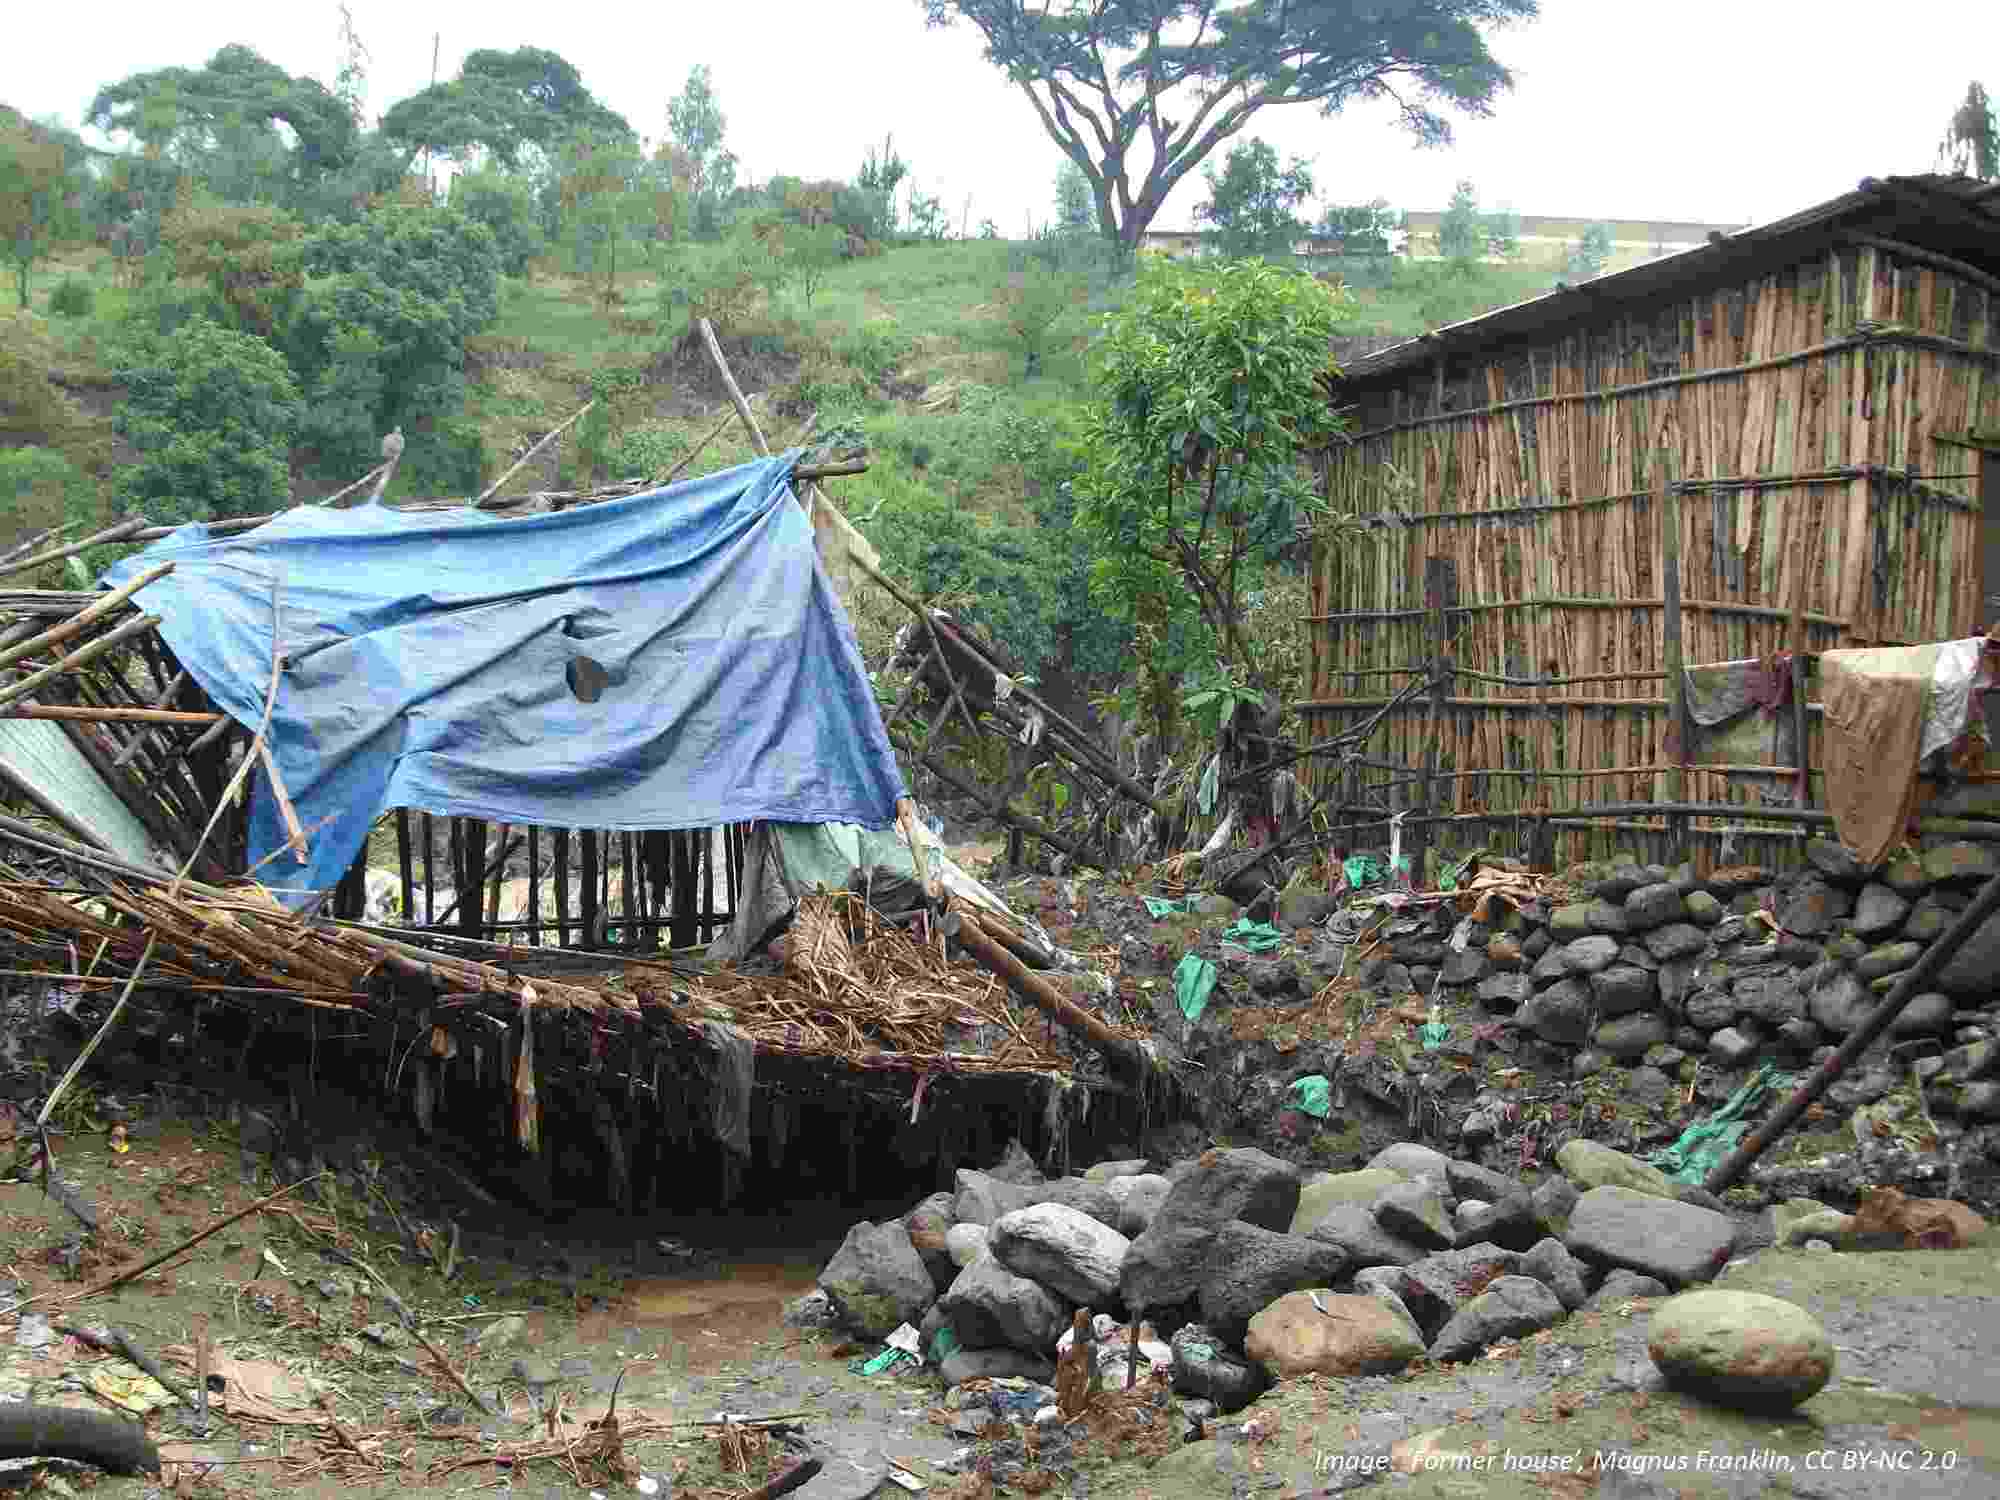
(965, 1243)
(1590, 955)
(989, 1306)
(1974, 971)
(1592, 1164)
(981, 1198)
(1436, 1287)
(1165, 1264)
(1470, 1180)
(1561, 1013)
(1138, 1200)
(1511, 1308)
(1628, 1037)
(876, 1281)
(929, 1225)
(1092, 1198)
(1741, 1347)
(1415, 1211)
(1654, 906)
(1108, 1172)
(1250, 1268)
(1550, 1263)
(1621, 1286)
(1510, 1223)
(1067, 1251)
(1623, 988)
(1413, 1159)
(1325, 1191)
(1878, 912)
(1674, 1242)
(1367, 1243)
(1842, 1003)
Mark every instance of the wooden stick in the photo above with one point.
(296, 841)
(494, 487)
(343, 494)
(995, 957)
(831, 471)
(735, 391)
(188, 1244)
(76, 622)
(35, 541)
(229, 526)
(410, 1322)
(36, 680)
(125, 530)
(117, 1010)
(250, 757)
(696, 451)
(107, 716)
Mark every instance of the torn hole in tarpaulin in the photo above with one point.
(735, 1075)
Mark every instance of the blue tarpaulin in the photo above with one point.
(429, 658)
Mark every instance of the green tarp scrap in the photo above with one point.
(1313, 1095)
(1204, 797)
(1433, 1033)
(888, 1359)
(1258, 937)
(1169, 906)
(1450, 879)
(1194, 981)
(1362, 869)
(943, 1343)
(1704, 1145)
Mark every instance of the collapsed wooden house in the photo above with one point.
(1784, 441)
(607, 1059)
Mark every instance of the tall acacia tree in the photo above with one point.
(1971, 143)
(501, 104)
(1180, 77)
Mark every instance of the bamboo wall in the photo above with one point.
(1789, 421)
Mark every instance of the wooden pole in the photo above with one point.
(81, 715)
(735, 392)
(1440, 595)
(995, 956)
(1672, 656)
(493, 488)
(125, 531)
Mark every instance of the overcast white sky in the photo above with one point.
(1726, 111)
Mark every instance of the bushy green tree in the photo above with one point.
(1588, 255)
(1971, 145)
(40, 488)
(505, 203)
(501, 105)
(241, 125)
(248, 256)
(1467, 234)
(1034, 300)
(697, 127)
(1163, 83)
(41, 194)
(880, 175)
(1253, 203)
(608, 209)
(379, 338)
(212, 413)
(1207, 389)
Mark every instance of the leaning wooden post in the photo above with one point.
(1667, 500)
(1440, 595)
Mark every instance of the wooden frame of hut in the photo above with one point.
(1787, 440)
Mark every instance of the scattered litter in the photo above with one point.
(1705, 1144)
(1363, 869)
(129, 1390)
(1313, 1095)
(907, 1339)
(1433, 1032)
(1158, 907)
(1204, 797)
(1194, 981)
(273, 1261)
(34, 1332)
(943, 1344)
(1258, 937)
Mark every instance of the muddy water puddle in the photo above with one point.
(701, 1320)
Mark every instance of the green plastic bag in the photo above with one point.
(1204, 797)
(1313, 1095)
(1169, 906)
(1258, 937)
(1704, 1145)
(888, 1359)
(1362, 869)
(944, 1343)
(1432, 1034)
(1194, 981)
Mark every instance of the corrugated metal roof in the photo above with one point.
(1956, 216)
(36, 753)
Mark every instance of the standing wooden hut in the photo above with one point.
(1802, 420)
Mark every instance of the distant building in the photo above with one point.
(1546, 239)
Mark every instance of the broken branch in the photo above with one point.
(735, 391)
(494, 488)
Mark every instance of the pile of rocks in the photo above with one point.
(1260, 1273)
(1657, 970)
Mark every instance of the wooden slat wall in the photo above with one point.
(1547, 510)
